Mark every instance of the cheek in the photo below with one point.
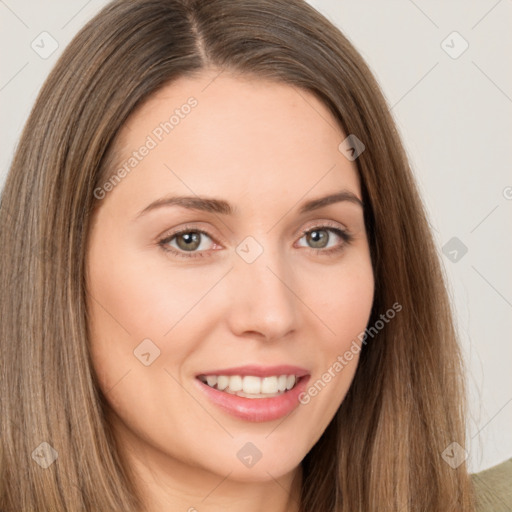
(143, 296)
(138, 305)
(344, 305)
(343, 299)
(134, 318)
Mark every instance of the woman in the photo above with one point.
(220, 291)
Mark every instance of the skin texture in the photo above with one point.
(266, 148)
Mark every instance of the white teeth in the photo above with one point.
(222, 382)
(235, 383)
(246, 395)
(269, 385)
(250, 386)
(290, 381)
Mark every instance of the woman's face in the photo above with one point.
(265, 287)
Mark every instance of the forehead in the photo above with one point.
(222, 134)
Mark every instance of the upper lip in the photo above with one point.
(259, 371)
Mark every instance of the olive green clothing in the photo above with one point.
(493, 488)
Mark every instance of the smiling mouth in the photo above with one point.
(251, 386)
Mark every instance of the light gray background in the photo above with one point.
(454, 115)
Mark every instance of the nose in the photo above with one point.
(263, 301)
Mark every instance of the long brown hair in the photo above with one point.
(406, 405)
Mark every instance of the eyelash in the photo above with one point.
(344, 235)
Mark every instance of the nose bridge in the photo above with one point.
(263, 301)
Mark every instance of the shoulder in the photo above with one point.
(493, 488)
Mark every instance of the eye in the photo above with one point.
(325, 239)
(192, 241)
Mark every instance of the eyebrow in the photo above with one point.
(213, 205)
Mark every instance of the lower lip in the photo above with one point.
(256, 409)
